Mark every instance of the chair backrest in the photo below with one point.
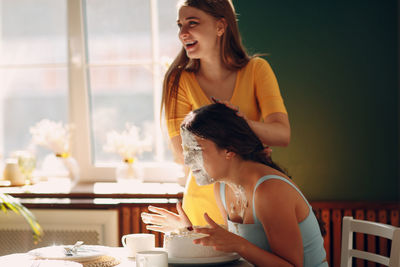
(351, 226)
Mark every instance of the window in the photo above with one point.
(97, 64)
(33, 73)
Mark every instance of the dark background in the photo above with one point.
(337, 64)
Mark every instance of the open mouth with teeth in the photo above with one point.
(190, 44)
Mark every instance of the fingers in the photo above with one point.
(225, 102)
(179, 208)
(146, 218)
(160, 211)
(152, 218)
(204, 230)
(210, 221)
(215, 100)
(229, 105)
(203, 241)
(182, 213)
(207, 241)
(155, 228)
(240, 114)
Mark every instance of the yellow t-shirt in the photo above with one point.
(257, 95)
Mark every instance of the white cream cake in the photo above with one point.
(180, 245)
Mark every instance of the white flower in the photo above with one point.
(128, 143)
(53, 135)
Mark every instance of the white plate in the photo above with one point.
(83, 253)
(212, 260)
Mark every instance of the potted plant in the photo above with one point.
(8, 202)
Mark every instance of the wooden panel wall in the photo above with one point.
(331, 214)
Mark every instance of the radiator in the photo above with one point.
(60, 227)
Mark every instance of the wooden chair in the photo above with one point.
(351, 226)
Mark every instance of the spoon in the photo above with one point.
(70, 251)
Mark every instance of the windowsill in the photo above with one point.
(147, 171)
(61, 188)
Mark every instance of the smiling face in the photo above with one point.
(199, 32)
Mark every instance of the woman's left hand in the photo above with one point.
(218, 237)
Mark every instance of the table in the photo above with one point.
(25, 260)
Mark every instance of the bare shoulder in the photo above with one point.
(275, 191)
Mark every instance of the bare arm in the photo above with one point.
(274, 130)
(275, 205)
(223, 240)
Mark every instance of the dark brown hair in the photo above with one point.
(220, 124)
(233, 53)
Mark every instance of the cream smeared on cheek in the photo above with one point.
(193, 158)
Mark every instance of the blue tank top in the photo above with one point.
(313, 243)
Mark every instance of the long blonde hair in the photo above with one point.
(233, 53)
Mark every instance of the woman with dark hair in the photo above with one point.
(270, 222)
(214, 63)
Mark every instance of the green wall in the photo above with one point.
(337, 64)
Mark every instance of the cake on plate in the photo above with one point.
(180, 244)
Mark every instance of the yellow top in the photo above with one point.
(257, 95)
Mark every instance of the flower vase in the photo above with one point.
(62, 165)
(72, 167)
(126, 172)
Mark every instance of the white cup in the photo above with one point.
(154, 258)
(138, 242)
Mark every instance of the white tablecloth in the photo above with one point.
(26, 260)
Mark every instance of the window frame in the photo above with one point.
(79, 100)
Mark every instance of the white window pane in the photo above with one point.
(33, 69)
(118, 30)
(33, 32)
(28, 96)
(169, 46)
(169, 42)
(121, 78)
(120, 95)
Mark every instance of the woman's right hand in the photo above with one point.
(162, 220)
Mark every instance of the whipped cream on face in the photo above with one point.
(193, 157)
